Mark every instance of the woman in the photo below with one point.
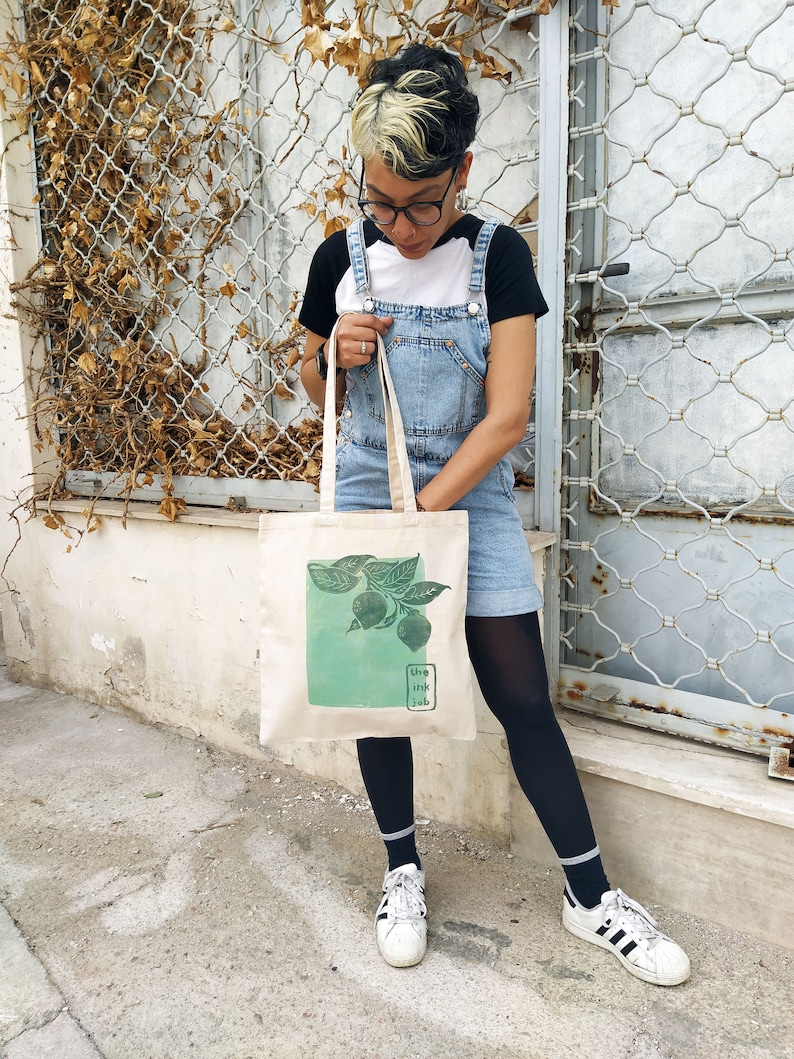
(455, 300)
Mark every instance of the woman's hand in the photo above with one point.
(357, 336)
(356, 342)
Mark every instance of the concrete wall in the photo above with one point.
(161, 620)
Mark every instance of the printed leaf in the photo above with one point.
(354, 624)
(423, 592)
(332, 578)
(379, 569)
(395, 576)
(354, 564)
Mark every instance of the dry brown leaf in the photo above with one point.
(313, 13)
(128, 282)
(490, 67)
(347, 49)
(87, 361)
(172, 507)
(19, 84)
(333, 224)
(318, 44)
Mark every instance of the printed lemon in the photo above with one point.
(414, 630)
(369, 608)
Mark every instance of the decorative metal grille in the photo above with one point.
(190, 159)
(678, 467)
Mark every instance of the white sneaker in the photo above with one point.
(629, 931)
(400, 922)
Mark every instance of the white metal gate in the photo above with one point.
(677, 552)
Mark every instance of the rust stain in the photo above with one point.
(781, 765)
(768, 736)
(599, 578)
(777, 733)
(639, 705)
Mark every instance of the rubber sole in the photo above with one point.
(410, 961)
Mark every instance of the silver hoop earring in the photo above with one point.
(462, 200)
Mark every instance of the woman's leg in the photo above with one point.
(401, 919)
(387, 767)
(507, 656)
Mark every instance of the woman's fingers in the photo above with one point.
(357, 338)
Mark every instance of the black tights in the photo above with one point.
(507, 656)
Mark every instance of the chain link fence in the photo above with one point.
(678, 488)
(190, 158)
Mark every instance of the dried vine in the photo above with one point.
(125, 145)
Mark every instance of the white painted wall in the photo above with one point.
(161, 620)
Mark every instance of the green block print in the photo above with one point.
(366, 632)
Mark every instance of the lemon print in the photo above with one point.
(414, 630)
(369, 608)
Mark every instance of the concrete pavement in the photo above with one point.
(163, 900)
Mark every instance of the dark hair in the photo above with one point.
(416, 112)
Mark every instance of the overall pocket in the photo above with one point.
(439, 388)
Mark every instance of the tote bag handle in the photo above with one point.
(401, 486)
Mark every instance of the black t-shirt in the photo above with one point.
(439, 278)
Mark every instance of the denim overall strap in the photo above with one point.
(357, 250)
(477, 278)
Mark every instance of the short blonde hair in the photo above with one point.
(417, 113)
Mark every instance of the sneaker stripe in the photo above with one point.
(617, 937)
(631, 945)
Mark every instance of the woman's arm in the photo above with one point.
(508, 389)
(312, 383)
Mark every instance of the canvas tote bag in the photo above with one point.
(362, 612)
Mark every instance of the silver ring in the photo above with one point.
(363, 349)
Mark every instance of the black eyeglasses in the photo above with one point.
(416, 213)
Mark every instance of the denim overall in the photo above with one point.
(437, 361)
